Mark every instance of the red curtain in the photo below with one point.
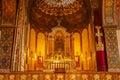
(100, 54)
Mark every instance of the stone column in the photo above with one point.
(112, 49)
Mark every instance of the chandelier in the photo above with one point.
(59, 7)
(58, 3)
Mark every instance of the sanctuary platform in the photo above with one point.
(60, 76)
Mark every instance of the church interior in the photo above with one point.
(59, 40)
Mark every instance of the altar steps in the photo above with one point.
(60, 76)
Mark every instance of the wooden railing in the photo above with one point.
(60, 76)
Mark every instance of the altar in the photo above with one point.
(58, 54)
(54, 64)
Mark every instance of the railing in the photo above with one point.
(54, 65)
(59, 65)
(60, 76)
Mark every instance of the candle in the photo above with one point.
(35, 57)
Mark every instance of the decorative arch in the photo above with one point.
(32, 41)
(77, 50)
(41, 44)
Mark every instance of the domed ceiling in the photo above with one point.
(73, 14)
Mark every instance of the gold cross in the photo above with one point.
(98, 34)
(99, 45)
(59, 22)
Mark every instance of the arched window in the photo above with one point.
(41, 45)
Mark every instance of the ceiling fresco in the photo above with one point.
(44, 14)
(74, 14)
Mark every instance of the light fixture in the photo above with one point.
(59, 7)
(58, 3)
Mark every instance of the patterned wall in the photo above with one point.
(108, 15)
(110, 28)
(9, 12)
(112, 50)
(60, 76)
(6, 42)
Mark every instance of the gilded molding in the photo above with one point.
(61, 76)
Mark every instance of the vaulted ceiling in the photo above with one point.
(45, 14)
(73, 14)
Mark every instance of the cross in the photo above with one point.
(98, 34)
(59, 22)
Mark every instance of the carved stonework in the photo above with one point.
(112, 50)
(18, 49)
(108, 14)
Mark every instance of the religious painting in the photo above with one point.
(39, 62)
(9, 12)
(59, 41)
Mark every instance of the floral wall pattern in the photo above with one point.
(110, 28)
(6, 42)
(9, 12)
(108, 15)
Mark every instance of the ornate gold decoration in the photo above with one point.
(60, 76)
(99, 45)
(59, 7)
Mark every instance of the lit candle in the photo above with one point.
(35, 57)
